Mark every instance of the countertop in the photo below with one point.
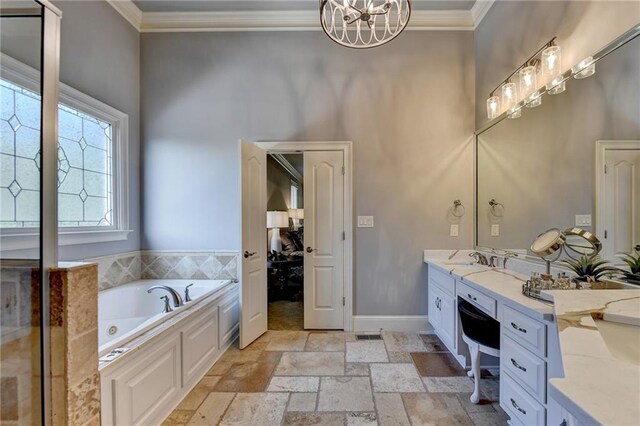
(596, 384)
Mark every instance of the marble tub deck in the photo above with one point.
(330, 378)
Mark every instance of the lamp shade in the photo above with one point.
(296, 213)
(276, 219)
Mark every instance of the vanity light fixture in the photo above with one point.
(510, 99)
(361, 24)
(529, 85)
(585, 68)
(493, 107)
(552, 69)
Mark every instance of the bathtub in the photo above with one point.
(128, 311)
(160, 356)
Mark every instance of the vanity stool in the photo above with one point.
(482, 334)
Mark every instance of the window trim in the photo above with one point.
(25, 238)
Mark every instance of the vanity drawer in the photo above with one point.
(478, 299)
(443, 280)
(525, 330)
(519, 404)
(526, 368)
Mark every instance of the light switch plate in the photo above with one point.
(583, 220)
(365, 221)
(453, 232)
(495, 230)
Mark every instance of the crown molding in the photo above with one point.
(290, 20)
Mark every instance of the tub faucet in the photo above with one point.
(177, 299)
(187, 297)
(167, 305)
(480, 258)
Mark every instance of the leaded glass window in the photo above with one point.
(85, 163)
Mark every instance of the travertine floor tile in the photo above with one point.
(356, 369)
(361, 419)
(395, 378)
(448, 384)
(316, 419)
(325, 342)
(401, 357)
(211, 410)
(489, 419)
(484, 406)
(311, 364)
(345, 394)
(293, 384)
(391, 410)
(178, 417)
(490, 388)
(256, 409)
(252, 376)
(437, 364)
(302, 401)
(366, 351)
(287, 341)
(403, 342)
(433, 343)
(435, 409)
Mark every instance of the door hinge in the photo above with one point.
(605, 234)
(342, 169)
(344, 301)
(605, 169)
(344, 236)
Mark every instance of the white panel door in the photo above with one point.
(621, 201)
(253, 288)
(323, 239)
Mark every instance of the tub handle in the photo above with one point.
(167, 305)
(187, 298)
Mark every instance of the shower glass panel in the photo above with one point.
(20, 210)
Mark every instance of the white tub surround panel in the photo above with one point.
(597, 387)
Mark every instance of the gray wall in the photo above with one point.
(99, 56)
(513, 30)
(542, 165)
(408, 107)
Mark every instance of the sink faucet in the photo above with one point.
(493, 261)
(177, 299)
(506, 257)
(480, 258)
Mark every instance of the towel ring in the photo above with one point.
(457, 204)
(493, 208)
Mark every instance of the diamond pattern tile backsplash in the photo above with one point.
(124, 268)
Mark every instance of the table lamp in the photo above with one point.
(275, 221)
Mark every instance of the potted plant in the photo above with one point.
(589, 269)
(633, 275)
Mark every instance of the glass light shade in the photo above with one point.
(528, 81)
(557, 85)
(509, 95)
(551, 62)
(493, 107)
(514, 112)
(276, 219)
(585, 68)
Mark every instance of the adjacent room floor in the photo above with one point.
(285, 315)
(331, 378)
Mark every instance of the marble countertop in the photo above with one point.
(502, 284)
(597, 385)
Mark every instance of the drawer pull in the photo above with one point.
(471, 297)
(515, 364)
(517, 407)
(515, 327)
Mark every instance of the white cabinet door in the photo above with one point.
(447, 320)
(199, 345)
(229, 315)
(433, 312)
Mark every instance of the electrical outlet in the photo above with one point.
(453, 232)
(365, 221)
(495, 230)
(583, 220)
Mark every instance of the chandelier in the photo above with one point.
(361, 24)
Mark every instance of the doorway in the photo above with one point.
(318, 278)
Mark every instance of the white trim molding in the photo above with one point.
(405, 323)
(285, 20)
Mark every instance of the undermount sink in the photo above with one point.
(622, 340)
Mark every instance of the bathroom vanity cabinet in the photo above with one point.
(529, 353)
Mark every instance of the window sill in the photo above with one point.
(31, 241)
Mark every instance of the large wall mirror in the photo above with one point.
(546, 169)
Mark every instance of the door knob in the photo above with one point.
(309, 249)
(248, 254)
(637, 247)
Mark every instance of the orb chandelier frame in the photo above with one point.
(363, 24)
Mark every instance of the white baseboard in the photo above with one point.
(406, 323)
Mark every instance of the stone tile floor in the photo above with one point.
(330, 378)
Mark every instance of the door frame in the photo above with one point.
(347, 149)
(602, 146)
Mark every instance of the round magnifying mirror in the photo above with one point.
(579, 242)
(548, 242)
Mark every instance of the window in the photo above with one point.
(91, 162)
(294, 196)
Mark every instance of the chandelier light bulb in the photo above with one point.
(493, 107)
